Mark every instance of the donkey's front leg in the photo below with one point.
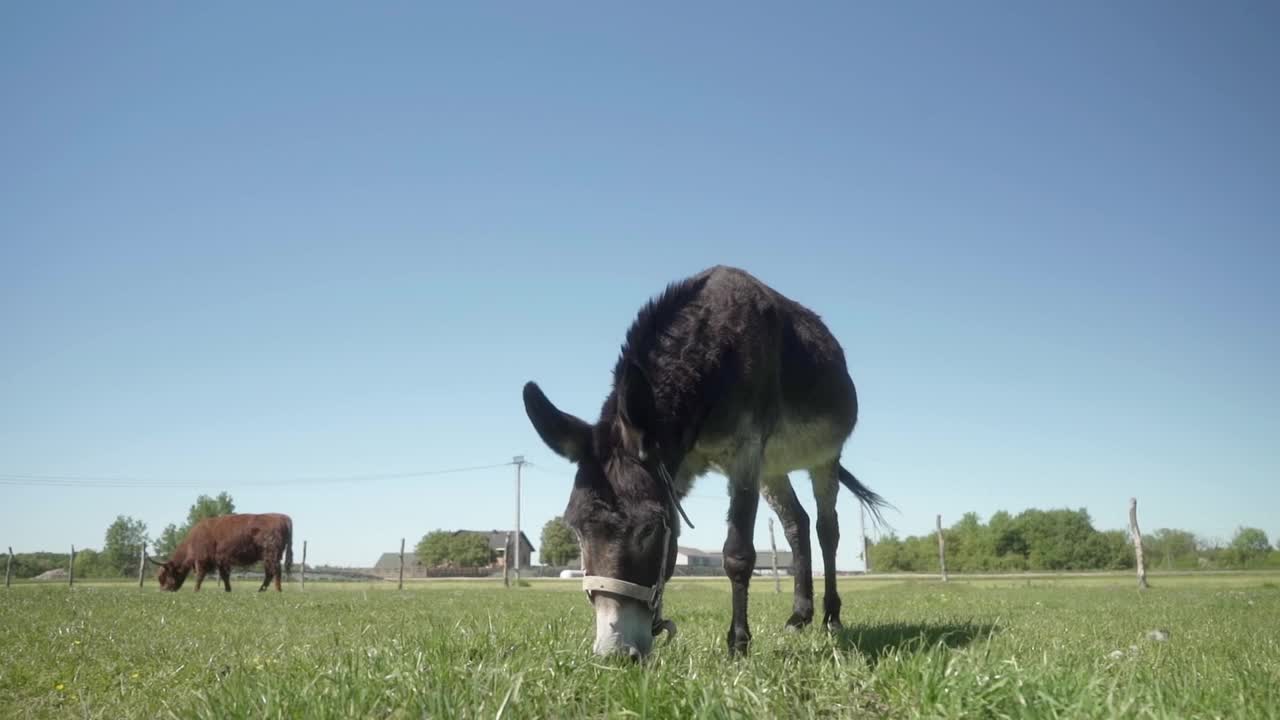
(740, 553)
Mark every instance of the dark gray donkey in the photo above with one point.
(719, 373)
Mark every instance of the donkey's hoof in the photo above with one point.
(798, 622)
(665, 625)
(833, 624)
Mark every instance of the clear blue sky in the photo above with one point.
(239, 246)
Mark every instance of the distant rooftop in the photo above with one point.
(497, 542)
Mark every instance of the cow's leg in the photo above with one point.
(266, 575)
(201, 571)
(277, 564)
(739, 544)
(826, 483)
(795, 525)
(224, 572)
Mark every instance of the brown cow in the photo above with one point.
(226, 540)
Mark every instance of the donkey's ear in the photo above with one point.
(636, 408)
(565, 434)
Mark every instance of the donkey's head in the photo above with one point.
(619, 509)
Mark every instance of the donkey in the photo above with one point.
(719, 373)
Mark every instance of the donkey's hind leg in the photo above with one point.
(782, 499)
(826, 483)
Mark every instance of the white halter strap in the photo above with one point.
(651, 596)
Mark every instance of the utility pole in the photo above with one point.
(518, 461)
(142, 563)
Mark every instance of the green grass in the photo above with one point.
(1047, 647)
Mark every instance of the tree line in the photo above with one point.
(122, 544)
(1066, 539)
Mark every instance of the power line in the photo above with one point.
(83, 481)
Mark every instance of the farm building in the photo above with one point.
(695, 558)
(389, 563)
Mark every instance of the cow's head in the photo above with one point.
(171, 574)
(619, 511)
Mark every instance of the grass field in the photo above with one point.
(1070, 648)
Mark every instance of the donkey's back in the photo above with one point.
(782, 375)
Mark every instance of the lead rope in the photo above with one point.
(660, 623)
(670, 484)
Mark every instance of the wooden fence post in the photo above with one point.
(1137, 543)
(8, 568)
(777, 584)
(506, 561)
(304, 564)
(142, 564)
(71, 568)
(862, 533)
(942, 550)
(401, 587)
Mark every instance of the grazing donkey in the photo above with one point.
(723, 373)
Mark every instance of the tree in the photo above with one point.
(169, 539)
(124, 539)
(1248, 544)
(203, 507)
(1173, 548)
(207, 507)
(92, 564)
(559, 544)
(1060, 539)
(470, 549)
(441, 548)
(433, 548)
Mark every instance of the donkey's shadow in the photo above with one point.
(875, 641)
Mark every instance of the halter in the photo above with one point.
(651, 596)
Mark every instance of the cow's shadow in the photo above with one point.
(875, 641)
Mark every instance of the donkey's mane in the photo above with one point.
(654, 320)
(658, 342)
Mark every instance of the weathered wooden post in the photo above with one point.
(8, 568)
(401, 587)
(304, 565)
(942, 550)
(71, 568)
(1137, 543)
(507, 549)
(862, 533)
(777, 584)
(142, 563)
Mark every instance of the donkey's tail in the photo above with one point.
(865, 495)
(288, 550)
